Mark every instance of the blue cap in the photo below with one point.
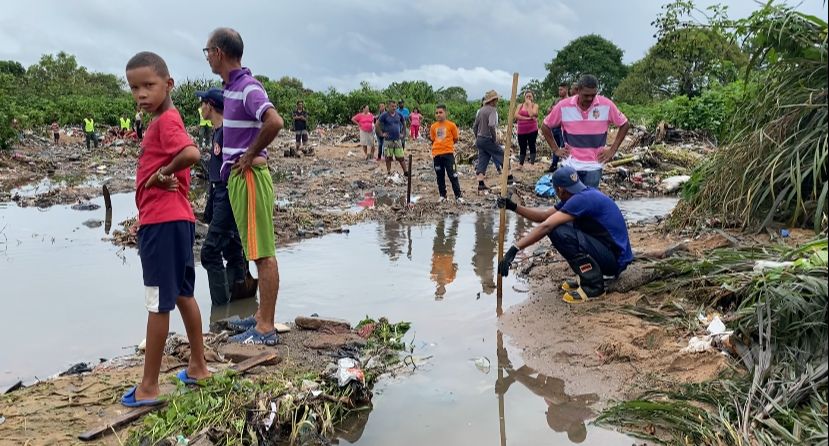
(568, 179)
(213, 96)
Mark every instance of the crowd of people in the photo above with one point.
(585, 227)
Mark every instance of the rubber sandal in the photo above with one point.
(570, 285)
(578, 296)
(128, 399)
(242, 325)
(253, 337)
(185, 378)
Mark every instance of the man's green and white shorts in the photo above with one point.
(393, 149)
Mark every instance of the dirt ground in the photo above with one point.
(601, 346)
(323, 193)
(56, 411)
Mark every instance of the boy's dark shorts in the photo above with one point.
(166, 251)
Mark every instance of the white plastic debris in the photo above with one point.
(142, 345)
(268, 422)
(761, 265)
(482, 363)
(672, 184)
(698, 344)
(349, 370)
(716, 326)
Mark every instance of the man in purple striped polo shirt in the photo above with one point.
(250, 124)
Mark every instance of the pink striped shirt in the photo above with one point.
(586, 130)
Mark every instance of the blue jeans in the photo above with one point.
(571, 242)
(590, 178)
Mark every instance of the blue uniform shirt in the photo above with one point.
(599, 216)
(214, 165)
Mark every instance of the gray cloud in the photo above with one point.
(476, 44)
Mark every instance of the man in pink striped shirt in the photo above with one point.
(585, 118)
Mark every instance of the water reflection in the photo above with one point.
(483, 255)
(444, 268)
(565, 413)
(242, 308)
(390, 237)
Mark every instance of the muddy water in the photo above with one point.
(68, 296)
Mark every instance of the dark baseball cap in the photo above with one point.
(213, 96)
(568, 179)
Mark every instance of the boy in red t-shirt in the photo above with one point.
(167, 226)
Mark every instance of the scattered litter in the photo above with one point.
(77, 369)
(268, 422)
(698, 344)
(181, 440)
(762, 265)
(521, 288)
(142, 345)
(2, 419)
(544, 186)
(784, 232)
(716, 326)
(348, 370)
(482, 363)
(85, 206)
(672, 184)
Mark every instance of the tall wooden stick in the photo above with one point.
(502, 228)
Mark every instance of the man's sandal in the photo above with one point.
(570, 284)
(578, 296)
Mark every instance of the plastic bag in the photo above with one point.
(348, 369)
(544, 186)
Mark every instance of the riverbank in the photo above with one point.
(299, 393)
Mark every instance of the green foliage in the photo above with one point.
(709, 112)
(591, 54)
(774, 167)
(185, 99)
(386, 334)
(688, 57)
(12, 67)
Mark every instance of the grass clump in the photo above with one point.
(776, 301)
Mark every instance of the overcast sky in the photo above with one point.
(476, 44)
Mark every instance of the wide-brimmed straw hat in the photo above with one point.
(490, 96)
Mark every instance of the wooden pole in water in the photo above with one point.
(409, 185)
(502, 421)
(502, 228)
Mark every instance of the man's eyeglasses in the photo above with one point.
(207, 50)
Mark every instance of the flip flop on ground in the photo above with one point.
(185, 378)
(128, 399)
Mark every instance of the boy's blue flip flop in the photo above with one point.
(128, 399)
(185, 378)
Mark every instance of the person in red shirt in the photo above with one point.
(166, 226)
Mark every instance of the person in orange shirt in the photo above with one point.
(444, 135)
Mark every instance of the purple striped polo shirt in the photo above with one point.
(245, 103)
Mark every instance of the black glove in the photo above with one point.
(507, 203)
(503, 266)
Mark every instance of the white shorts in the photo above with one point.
(367, 139)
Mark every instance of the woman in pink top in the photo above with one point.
(415, 118)
(365, 120)
(526, 122)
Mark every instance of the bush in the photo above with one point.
(709, 112)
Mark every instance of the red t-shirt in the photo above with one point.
(163, 140)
